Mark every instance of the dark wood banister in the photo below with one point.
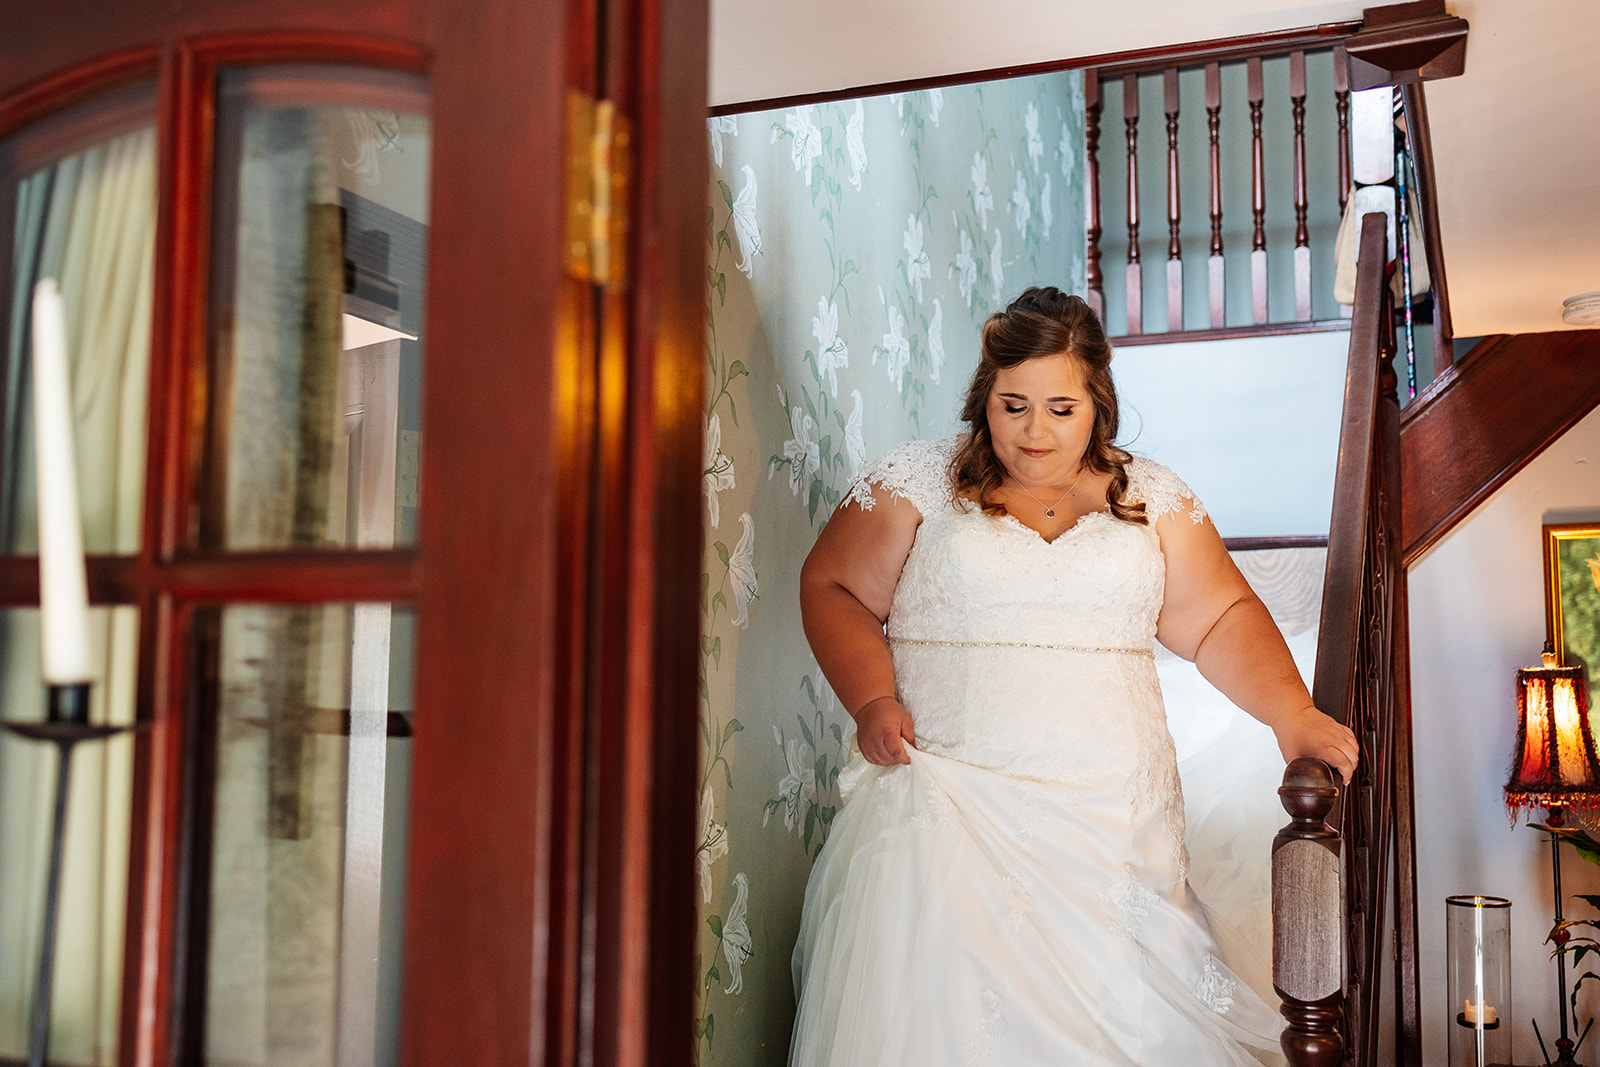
(1361, 680)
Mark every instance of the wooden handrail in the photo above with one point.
(1361, 680)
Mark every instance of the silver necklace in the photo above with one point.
(1050, 512)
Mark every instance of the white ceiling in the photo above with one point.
(1516, 139)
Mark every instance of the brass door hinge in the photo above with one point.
(599, 157)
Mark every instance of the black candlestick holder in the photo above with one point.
(66, 726)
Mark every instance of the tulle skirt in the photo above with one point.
(961, 916)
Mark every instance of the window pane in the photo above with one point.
(88, 979)
(321, 231)
(78, 204)
(311, 717)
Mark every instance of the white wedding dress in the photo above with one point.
(1017, 895)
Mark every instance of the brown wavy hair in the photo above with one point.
(1042, 322)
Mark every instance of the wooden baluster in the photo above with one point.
(1094, 281)
(1130, 119)
(1169, 81)
(1302, 236)
(1341, 107)
(1219, 310)
(1306, 918)
(1258, 197)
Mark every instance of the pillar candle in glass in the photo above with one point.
(1478, 955)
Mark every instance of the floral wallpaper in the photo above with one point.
(854, 250)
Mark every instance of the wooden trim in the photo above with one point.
(255, 49)
(1227, 49)
(1110, 65)
(153, 977)
(1420, 138)
(1407, 963)
(1257, 544)
(62, 90)
(256, 577)
(1270, 329)
(1484, 419)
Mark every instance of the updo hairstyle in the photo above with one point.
(1042, 322)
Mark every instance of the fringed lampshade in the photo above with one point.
(1554, 764)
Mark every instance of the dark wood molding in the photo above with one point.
(1401, 43)
(63, 89)
(260, 577)
(1407, 966)
(1270, 329)
(1485, 418)
(1109, 64)
(1257, 544)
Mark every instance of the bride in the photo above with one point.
(1007, 882)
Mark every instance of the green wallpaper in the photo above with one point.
(854, 250)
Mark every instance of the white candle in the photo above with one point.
(1471, 1014)
(63, 592)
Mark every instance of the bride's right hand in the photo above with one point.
(883, 730)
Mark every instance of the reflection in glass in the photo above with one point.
(311, 720)
(78, 203)
(318, 291)
(88, 981)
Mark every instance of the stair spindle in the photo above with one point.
(1218, 278)
(1258, 196)
(1341, 107)
(1302, 235)
(1094, 281)
(1130, 119)
(1169, 81)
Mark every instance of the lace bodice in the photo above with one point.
(1028, 655)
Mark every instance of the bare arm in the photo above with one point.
(846, 588)
(1211, 615)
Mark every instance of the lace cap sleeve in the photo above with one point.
(917, 471)
(1162, 491)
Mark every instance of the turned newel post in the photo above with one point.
(1307, 918)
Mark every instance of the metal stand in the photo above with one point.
(66, 725)
(1564, 1045)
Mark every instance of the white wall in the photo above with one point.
(1205, 408)
(1477, 614)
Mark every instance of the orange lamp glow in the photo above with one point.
(1554, 764)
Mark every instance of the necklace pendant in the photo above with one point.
(1049, 513)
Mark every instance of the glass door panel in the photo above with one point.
(321, 236)
(88, 976)
(78, 204)
(310, 714)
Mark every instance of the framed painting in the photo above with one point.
(1572, 596)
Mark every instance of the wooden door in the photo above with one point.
(551, 569)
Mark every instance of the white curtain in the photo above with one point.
(90, 222)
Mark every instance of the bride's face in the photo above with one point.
(1040, 419)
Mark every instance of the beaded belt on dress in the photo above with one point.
(893, 640)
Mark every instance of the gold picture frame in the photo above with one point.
(1572, 597)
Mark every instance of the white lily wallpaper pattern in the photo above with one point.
(854, 250)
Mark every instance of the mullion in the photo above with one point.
(286, 578)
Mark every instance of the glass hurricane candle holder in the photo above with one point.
(1478, 951)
